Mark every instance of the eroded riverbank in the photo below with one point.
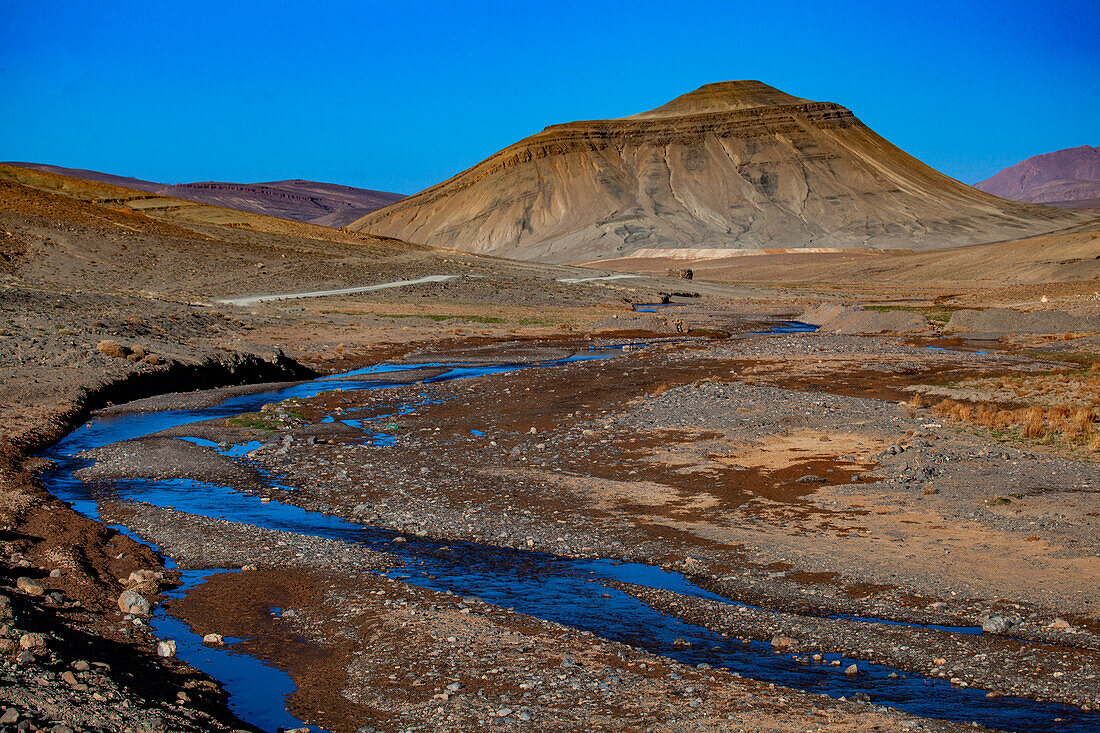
(342, 435)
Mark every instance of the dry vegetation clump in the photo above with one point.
(1061, 409)
(1080, 387)
(661, 389)
(1063, 423)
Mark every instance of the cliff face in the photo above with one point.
(1061, 177)
(732, 165)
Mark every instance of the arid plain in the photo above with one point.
(529, 496)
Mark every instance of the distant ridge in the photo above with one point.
(1068, 178)
(733, 165)
(327, 204)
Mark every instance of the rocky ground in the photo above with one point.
(791, 473)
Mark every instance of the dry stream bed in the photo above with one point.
(669, 535)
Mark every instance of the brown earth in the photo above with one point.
(694, 460)
(732, 166)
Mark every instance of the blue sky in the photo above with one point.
(399, 95)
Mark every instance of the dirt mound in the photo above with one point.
(736, 165)
(1007, 320)
(853, 320)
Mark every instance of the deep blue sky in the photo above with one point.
(400, 95)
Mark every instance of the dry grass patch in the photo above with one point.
(1063, 424)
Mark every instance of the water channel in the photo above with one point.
(550, 587)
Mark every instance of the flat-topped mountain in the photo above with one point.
(327, 204)
(734, 165)
(1067, 178)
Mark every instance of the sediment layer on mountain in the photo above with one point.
(734, 165)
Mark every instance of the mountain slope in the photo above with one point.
(327, 204)
(1068, 178)
(731, 165)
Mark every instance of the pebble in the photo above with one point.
(166, 648)
(851, 669)
(30, 586)
(32, 640)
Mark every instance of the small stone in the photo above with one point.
(995, 625)
(81, 666)
(851, 669)
(33, 640)
(215, 639)
(504, 712)
(10, 717)
(166, 648)
(68, 677)
(55, 573)
(681, 641)
(781, 643)
(29, 586)
(5, 609)
(132, 602)
(61, 728)
(810, 479)
(144, 576)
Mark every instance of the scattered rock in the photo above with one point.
(144, 576)
(215, 639)
(32, 641)
(781, 643)
(166, 648)
(134, 603)
(30, 586)
(851, 669)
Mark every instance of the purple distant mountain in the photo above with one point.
(1067, 178)
(327, 204)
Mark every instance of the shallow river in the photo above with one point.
(550, 587)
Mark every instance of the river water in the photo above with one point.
(550, 587)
